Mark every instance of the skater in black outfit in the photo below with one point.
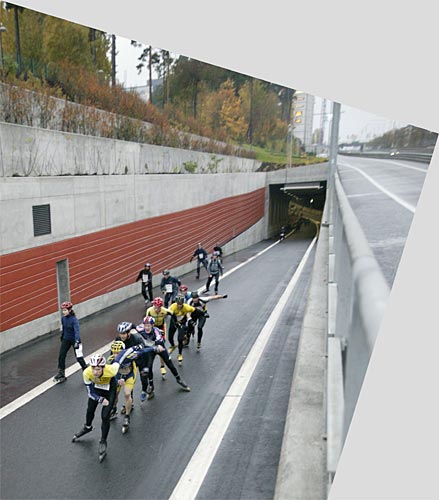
(146, 276)
(154, 336)
(198, 316)
(169, 287)
(69, 338)
(201, 255)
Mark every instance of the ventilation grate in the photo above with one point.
(41, 217)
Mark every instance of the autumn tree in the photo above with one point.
(150, 59)
(262, 110)
(223, 112)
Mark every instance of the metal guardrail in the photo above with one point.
(357, 298)
(401, 155)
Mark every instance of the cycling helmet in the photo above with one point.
(183, 288)
(215, 253)
(147, 264)
(158, 302)
(117, 346)
(98, 360)
(166, 272)
(66, 305)
(194, 294)
(179, 299)
(149, 320)
(124, 327)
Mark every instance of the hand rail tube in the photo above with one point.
(361, 295)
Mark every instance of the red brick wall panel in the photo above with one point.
(106, 260)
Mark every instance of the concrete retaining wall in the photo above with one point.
(84, 204)
(30, 151)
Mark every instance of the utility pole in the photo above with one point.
(333, 149)
(17, 40)
(2, 30)
(113, 60)
(290, 144)
(322, 122)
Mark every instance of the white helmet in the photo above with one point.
(98, 360)
(124, 327)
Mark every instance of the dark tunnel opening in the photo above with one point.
(298, 207)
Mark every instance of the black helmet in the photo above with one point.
(179, 299)
(194, 294)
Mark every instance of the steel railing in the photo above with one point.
(357, 298)
(396, 155)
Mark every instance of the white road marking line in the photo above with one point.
(228, 273)
(193, 476)
(411, 167)
(398, 200)
(360, 195)
(40, 389)
(48, 384)
(393, 162)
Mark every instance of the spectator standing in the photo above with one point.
(70, 337)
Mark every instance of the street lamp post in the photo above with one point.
(333, 149)
(2, 30)
(290, 144)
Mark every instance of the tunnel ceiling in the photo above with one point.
(305, 193)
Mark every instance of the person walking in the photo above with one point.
(146, 276)
(70, 337)
(201, 255)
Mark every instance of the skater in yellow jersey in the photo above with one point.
(180, 314)
(159, 313)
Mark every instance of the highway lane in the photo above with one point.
(149, 460)
(383, 195)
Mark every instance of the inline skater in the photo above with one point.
(146, 276)
(153, 336)
(181, 313)
(70, 337)
(184, 290)
(217, 248)
(169, 286)
(201, 255)
(126, 378)
(99, 379)
(198, 317)
(215, 270)
(128, 335)
(282, 233)
(159, 313)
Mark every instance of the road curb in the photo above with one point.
(302, 464)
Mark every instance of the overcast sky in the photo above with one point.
(354, 123)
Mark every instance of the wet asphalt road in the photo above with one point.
(385, 222)
(38, 459)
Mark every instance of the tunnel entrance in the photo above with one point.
(298, 207)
